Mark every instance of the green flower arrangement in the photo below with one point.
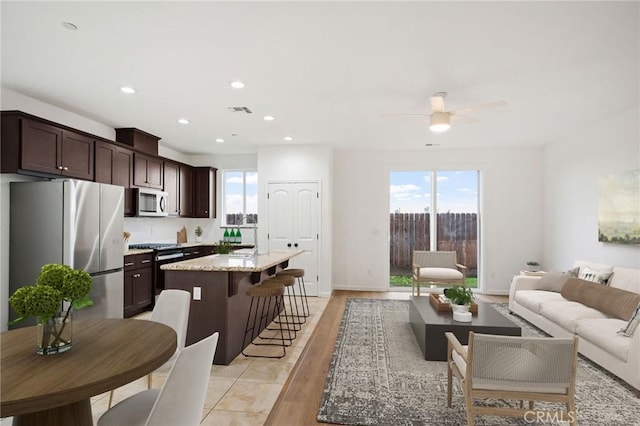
(55, 284)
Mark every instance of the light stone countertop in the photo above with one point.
(233, 263)
(137, 251)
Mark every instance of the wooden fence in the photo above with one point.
(456, 232)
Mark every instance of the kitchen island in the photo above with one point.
(218, 285)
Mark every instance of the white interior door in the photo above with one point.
(294, 216)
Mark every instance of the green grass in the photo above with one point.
(405, 281)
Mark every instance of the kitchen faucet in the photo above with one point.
(245, 218)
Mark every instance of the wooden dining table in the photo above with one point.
(56, 389)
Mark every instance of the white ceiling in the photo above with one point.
(328, 70)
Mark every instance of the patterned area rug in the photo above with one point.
(378, 376)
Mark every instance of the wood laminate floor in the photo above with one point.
(300, 397)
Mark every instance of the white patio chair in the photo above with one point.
(436, 267)
(180, 400)
(517, 369)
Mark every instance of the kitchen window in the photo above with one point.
(239, 197)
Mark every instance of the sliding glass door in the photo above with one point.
(433, 210)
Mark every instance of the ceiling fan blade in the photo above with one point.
(437, 103)
(461, 118)
(401, 114)
(478, 107)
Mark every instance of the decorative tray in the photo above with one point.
(439, 306)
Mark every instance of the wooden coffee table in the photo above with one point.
(430, 325)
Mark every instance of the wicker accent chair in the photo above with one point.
(436, 267)
(517, 369)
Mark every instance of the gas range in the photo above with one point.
(155, 246)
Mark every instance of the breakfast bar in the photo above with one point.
(218, 285)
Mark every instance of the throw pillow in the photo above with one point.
(632, 324)
(600, 277)
(553, 281)
(611, 301)
(574, 272)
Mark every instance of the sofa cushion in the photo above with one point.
(626, 279)
(554, 281)
(567, 314)
(612, 301)
(533, 299)
(603, 333)
(595, 275)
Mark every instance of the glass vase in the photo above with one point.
(54, 335)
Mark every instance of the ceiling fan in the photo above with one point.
(440, 120)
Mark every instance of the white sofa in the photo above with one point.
(548, 310)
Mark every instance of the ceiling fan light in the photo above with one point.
(439, 122)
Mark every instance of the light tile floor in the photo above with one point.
(241, 393)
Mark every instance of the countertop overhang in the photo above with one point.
(233, 263)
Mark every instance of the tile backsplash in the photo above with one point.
(164, 229)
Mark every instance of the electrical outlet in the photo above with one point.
(197, 293)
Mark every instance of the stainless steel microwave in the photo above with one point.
(151, 202)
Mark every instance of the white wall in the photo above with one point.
(572, 167)
(510, 217)
(281, 163)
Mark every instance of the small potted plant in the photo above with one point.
(198, 232)
(224, 247)
(460, 298)
(58, 289)
(533, 266)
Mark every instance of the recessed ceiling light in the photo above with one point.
(70, 26)
(129, 90)
(268, 118)
(237, 84)
(220, 140)
(183, 121)
(288, 138)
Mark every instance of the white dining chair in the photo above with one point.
(171, 309)
(180, 401)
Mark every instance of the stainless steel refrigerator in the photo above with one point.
(73, 222)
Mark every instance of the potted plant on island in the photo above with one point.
(198, 232)
(57, 291)
(460, 297)
(224, 247)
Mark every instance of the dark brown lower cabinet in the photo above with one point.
(138, 284)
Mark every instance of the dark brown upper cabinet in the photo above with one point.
(147, 171)
(114, 165)
(178, 184)
(186, 191)
(138, 140)
(41, 147)
(204, 192)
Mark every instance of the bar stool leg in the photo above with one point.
(306, 301)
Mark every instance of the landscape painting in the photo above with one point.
(619, 208)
